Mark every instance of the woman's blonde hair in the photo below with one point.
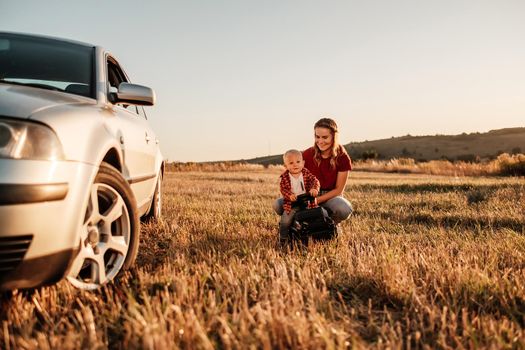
(336, 148)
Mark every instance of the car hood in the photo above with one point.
(24, 102)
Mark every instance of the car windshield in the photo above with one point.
(47, 64)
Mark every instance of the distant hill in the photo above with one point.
(468, 147)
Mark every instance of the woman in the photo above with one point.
(330, 163)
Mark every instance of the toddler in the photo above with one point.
(295, 180)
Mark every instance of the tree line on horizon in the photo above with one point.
(474, 147)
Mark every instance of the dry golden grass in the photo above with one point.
(505, 164)
(215, 166)
(424, 262)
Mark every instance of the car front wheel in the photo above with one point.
(109, 235)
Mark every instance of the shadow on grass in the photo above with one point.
(448, 221)
(158, 249)
(433, 188)
(370, 300)
(467, 222)
(5, 299)
(356, 290)
(218, 245)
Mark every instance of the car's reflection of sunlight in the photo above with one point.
(52, 172)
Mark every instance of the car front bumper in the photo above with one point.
(42, 208)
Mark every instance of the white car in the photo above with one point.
(79, 163)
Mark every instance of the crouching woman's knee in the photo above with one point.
(346, 210)
(341, 209)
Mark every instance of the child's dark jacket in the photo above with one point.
(310, 182)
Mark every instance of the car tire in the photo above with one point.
(109, 234)
(155, 211)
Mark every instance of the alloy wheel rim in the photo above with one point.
(105, 237)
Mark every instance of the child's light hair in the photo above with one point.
(290, 152)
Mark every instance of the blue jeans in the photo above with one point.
(285, 223)
(338, 207)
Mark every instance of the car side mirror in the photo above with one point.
(134, 94)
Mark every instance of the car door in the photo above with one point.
(137, 139)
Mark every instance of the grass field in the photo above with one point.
(424, 262)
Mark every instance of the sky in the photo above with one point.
(242, 79)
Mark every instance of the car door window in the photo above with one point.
(115, 74)
(115, 77)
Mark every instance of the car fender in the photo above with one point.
(68, 121)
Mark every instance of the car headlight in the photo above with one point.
(28, 140)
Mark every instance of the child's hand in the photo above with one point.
(314, 192)
(293, 197)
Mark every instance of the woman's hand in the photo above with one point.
(293, 197)
(314, 192)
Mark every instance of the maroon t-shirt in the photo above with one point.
(324, 172)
